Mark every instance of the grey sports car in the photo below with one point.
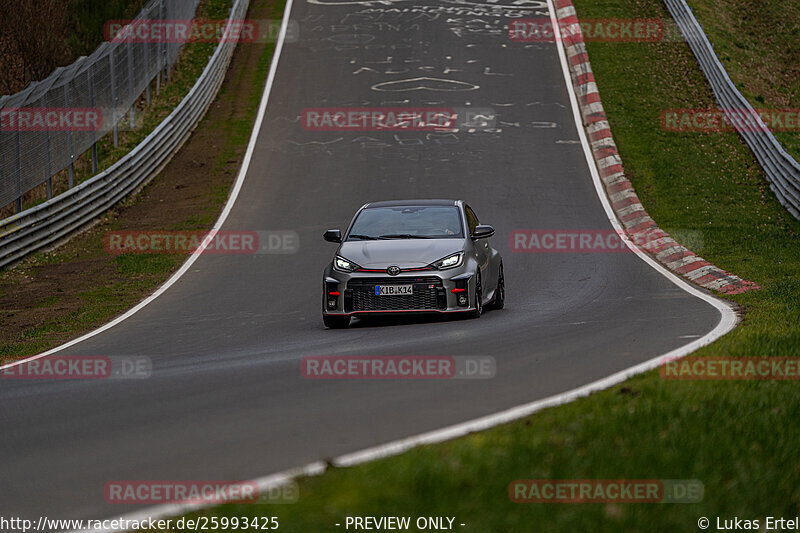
(412, 256)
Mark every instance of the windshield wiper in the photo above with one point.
(363, 237)
(403, 236)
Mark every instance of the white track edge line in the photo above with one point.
(727, 322)
(397, 447)
(237, 186)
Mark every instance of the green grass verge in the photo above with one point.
(737, 438)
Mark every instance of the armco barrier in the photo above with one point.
(56, 219)
(783, 172)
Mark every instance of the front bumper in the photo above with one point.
(434, 291)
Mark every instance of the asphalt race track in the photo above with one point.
(226, 399)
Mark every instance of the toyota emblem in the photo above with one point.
(393, 270)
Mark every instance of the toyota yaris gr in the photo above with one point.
(413, 256)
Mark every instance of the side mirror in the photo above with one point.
(333, 235)
(483, 231)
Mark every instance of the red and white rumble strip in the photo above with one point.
(638, 224)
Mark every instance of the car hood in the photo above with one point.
(405, 253)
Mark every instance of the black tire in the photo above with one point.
(478, 311)
(336, 322)
(500, 292)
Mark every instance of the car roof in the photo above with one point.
(410, 203)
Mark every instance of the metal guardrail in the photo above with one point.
(48, 223)
(783, 172)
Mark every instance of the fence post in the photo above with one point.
(71, 168)
(162, 13)
(132, 112)
(94, 131)
(158, 63)
(113, 98)
(149, 79)
(18, 154)
(49, 169)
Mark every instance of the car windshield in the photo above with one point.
(407, 222)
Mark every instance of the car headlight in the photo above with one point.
(343, 265)
(451, 261)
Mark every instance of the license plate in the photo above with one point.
(394, 290)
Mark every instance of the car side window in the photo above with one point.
(472, 220)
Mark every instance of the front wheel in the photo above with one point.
(500, 292)
(336, 322)
(478, 311)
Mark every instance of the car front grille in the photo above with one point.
(428, 295)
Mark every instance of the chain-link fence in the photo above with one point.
(48, 223)
(46, 126)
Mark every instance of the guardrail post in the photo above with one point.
(113, 98)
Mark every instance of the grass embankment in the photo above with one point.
(738, 438)
(758, 41)
(55, 296)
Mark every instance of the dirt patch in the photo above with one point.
(55, 296)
